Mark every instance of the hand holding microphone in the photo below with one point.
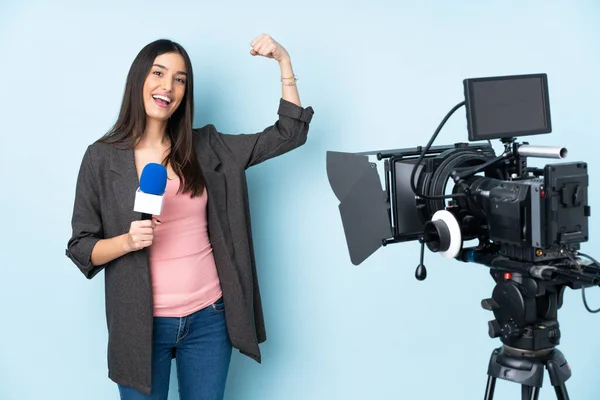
(141, 234)
(149, 202)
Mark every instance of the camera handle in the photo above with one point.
(421, 272)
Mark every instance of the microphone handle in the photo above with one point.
(146, 216)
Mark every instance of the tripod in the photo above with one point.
(526, 322)
(527, 368)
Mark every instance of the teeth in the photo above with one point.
(158, 96)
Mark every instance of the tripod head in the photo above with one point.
(525, 303)
(527, 296)
(526, 311)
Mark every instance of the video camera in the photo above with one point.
(528, 223)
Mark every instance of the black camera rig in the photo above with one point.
(528, 223)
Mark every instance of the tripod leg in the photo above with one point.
(559, 371)
(561, 392)
(535, 392)
(529, 392)
(489, 390)
(525, 392)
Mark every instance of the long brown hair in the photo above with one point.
(131, 122)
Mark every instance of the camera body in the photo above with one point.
(529, 214)
(535, 219)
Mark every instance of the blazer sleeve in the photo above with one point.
(287, 133)
(86, 221)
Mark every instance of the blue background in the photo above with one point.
(379, 75)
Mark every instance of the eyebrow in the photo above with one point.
(163, 67)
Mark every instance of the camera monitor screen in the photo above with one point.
(507, 106)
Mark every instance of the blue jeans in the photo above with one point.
(202, 355)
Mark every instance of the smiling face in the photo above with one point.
(164, 87)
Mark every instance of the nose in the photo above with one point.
(167, 84)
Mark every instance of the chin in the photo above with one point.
(159, 115)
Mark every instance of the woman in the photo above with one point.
(183, 284)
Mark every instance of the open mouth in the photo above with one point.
(161, 101)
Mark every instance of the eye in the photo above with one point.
(180, 80)
(157, 73)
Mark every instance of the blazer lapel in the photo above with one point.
(217, 194)
(125, 183)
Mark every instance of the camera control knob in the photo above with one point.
(511, 330)
(494, 329)
(554, 336)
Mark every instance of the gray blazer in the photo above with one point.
(103, 208)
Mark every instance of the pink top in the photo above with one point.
(182, 266)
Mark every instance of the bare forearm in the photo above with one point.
(107, 250)
(265, 46)
(288, 82)
(140, 235)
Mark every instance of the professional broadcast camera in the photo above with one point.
(528, 223)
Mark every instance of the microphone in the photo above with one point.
(149, 196)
